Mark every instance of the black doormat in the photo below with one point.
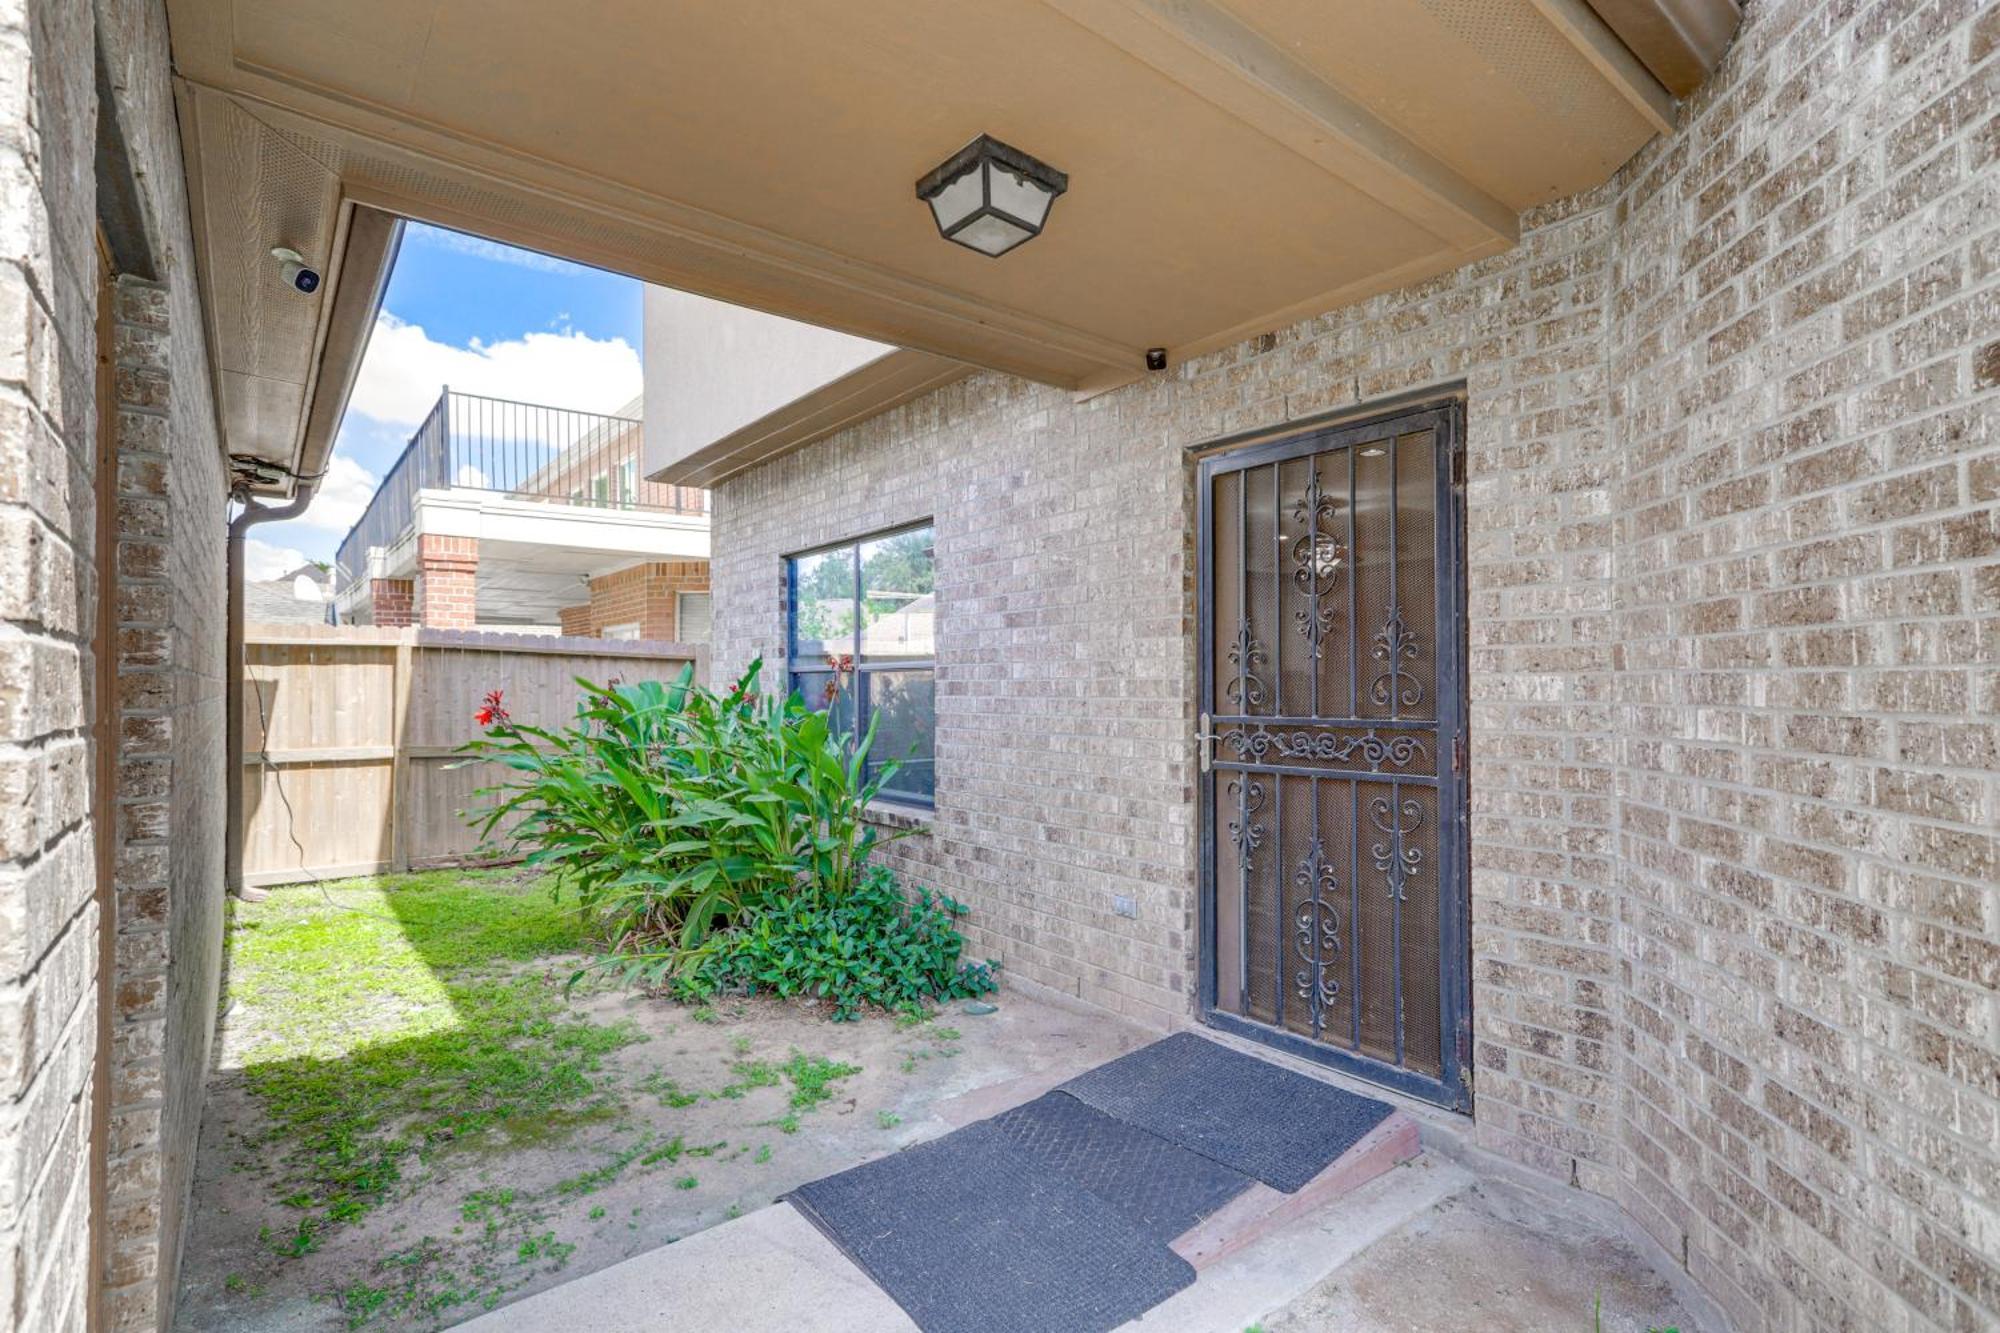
(1280, 1127)
(1160, 1187)
(971, 1234)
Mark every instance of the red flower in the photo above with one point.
(493, 714)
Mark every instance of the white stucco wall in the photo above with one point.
(713, 368)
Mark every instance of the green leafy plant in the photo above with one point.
(669, 811)
(873, 946)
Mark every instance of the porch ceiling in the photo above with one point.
(1233, 166)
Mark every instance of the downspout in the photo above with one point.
(250, 516)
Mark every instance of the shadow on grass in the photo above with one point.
(395, 1018)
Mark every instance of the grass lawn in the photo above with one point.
(405, 1019)
(412, 1120)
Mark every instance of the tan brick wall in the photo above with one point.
(447, 583)
(49, 584)
(167, 583)
(1734, 531)
(646, 594)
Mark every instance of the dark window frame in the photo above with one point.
(862, 670)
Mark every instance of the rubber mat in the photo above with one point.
(971, 1233)
(1160, 1187)
(1280, 1127)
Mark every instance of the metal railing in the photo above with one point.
(521, 450)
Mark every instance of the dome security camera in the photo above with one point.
(292, 267)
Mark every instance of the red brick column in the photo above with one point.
(645, 593)
(446, 583)
(392, 602)
(576, 621)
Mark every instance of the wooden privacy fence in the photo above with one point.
(350, 736)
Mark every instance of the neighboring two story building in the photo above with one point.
(533, 519)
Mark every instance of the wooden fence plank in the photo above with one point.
(357, 730)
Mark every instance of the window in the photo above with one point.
(628, 483)
(860, 634)
(691, 614)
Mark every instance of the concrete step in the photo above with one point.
(1260, 1210)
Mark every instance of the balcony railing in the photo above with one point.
(521, 450)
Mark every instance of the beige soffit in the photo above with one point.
(1235, 164)
(283, 362)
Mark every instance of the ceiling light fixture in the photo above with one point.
(991, 197)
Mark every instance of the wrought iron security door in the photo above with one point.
(1334, 904)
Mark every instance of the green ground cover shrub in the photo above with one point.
(873, 946)
(721, 842)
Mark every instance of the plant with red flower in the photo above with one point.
(493, 713)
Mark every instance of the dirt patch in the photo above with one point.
(696, 1115)
(1494, 1258)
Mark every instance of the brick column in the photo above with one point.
(576, 622)
(446, 582)
(392, 602)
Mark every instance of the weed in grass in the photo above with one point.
(686, 1183)
(763, 1155)
(544, 1246)
(888, 1119)
(666, 1090)
(787, 1123)
(234, 1282)
(732, 1212)
(943, 1036)
(486, 1205)
(362, 1302)
(669, 1151)
(595, 1179)
(749, 1074)
(812, 1078)
(704, 1014)
(740, 1045)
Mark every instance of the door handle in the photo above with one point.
(1204, 740)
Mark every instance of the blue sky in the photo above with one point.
(485, 318)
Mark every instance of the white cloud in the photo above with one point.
(481, 248)
(341, 497)
(263, 561)
(405, 370)
(469, 475)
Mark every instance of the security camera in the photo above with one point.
(292, 267)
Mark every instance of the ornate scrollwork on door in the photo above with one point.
(1245, 689)
(1245, 834)
(1396, 859)
(1316, 938)
(1258, 743)
(1396, 644)
(1317, 556)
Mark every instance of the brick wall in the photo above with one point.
(392, 603)
(447, 583)
(1734, 537)
(48, 589)
(645, 594)
(166, 830)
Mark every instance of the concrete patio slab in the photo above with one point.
(770, 1270)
